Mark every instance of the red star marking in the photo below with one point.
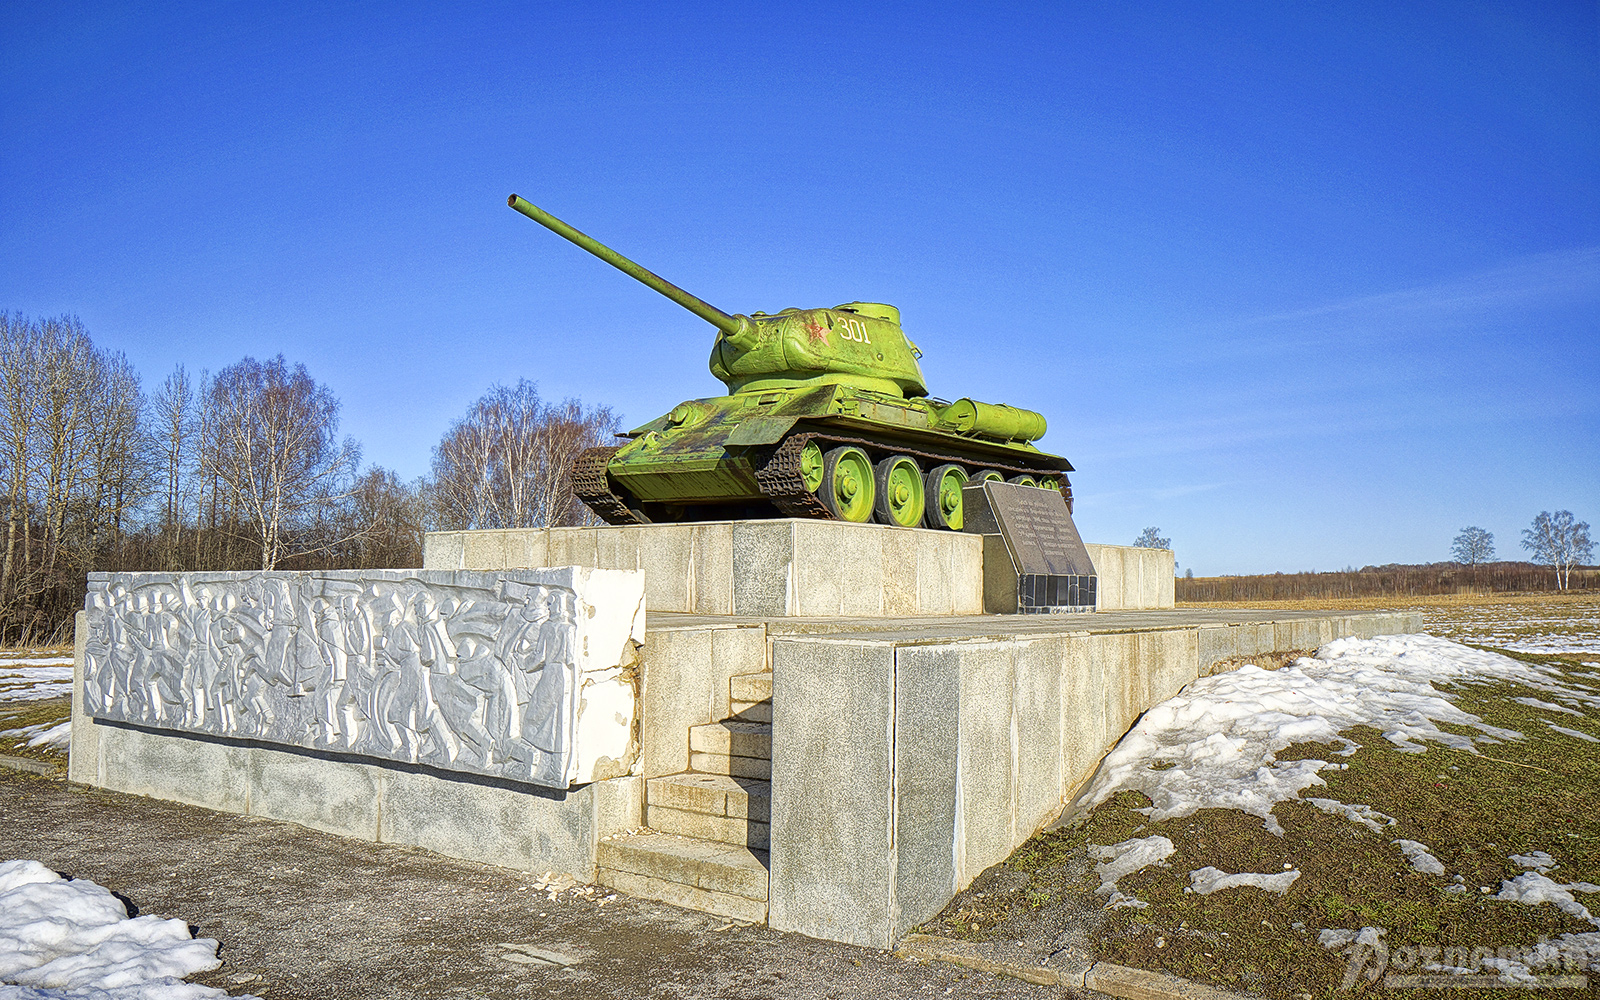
(817, 334)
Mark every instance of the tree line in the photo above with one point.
(1381, 581)
(243, 468)
(1559, 543)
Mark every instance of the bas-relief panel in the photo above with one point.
(470, 671)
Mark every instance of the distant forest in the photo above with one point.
(241, 469)
(1378, 581)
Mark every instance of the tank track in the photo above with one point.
(778, 476)
(782, 483)
(589, 484)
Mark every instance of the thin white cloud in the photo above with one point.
(1466, 304)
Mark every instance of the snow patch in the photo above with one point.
(34, 680)
(1538, 860)
(1572, 732)
(1338, 937)
(1125, 858)
(1367, 816)
(158, 989)
(64, 939)
(1420, 859)
(1207, 880)
(1222, 733)
(1533, 888)
(1548, 706)
(56, 736)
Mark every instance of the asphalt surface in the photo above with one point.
(301, 914)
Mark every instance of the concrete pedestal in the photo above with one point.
(913, 741)
(792, 567)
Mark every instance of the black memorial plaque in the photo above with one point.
(1050, 570)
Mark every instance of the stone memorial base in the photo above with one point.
(792, 567)
(836, 747)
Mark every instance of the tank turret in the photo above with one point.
(828, 416)
(857, 343)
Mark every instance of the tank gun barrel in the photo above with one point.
(731, 326)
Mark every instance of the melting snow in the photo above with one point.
(1563, 730)
(1548, 706)
(1126, 858)
(1535, 859)
(1220, 737)
(1367, 816)
(55, 736)
(1533, 888)
(1419, 857)
(66, 940)
(36, 679)
(1207, 880)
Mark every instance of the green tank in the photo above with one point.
(826, 417)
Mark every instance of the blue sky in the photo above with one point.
(1302, 285)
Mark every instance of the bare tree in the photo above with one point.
(1473, 547)
(1560, 540)
(245, 469)
(20, 371)
(118, 467)
(173, 429)
(71, 467)
(271, 443)
(384, 519)
(1151, 538)
(69, 365)
(508, 462)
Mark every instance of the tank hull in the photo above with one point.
(714, 458)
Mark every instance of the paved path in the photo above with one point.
(302, 914)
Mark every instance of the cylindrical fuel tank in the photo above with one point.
(996, 420)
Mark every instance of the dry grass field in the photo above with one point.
(1532, 623)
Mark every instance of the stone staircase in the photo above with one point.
(705, 842)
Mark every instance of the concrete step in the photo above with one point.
(702, 875)
(737, 767)
(735, 830)
(713, 794)
(752, 711)
(710, 806)
(751, 687)
(733, 738)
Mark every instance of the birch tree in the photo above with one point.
(1560, 540)
(272, 446)
(19, 375)
(118, 469)
(508, 462)
(69, 369)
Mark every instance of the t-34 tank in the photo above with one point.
(827, 416)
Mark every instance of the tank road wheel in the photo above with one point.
(944, 497)
(900, 496)
(988, 476)
(811, 466)
(847, 484)
(1025, 481)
